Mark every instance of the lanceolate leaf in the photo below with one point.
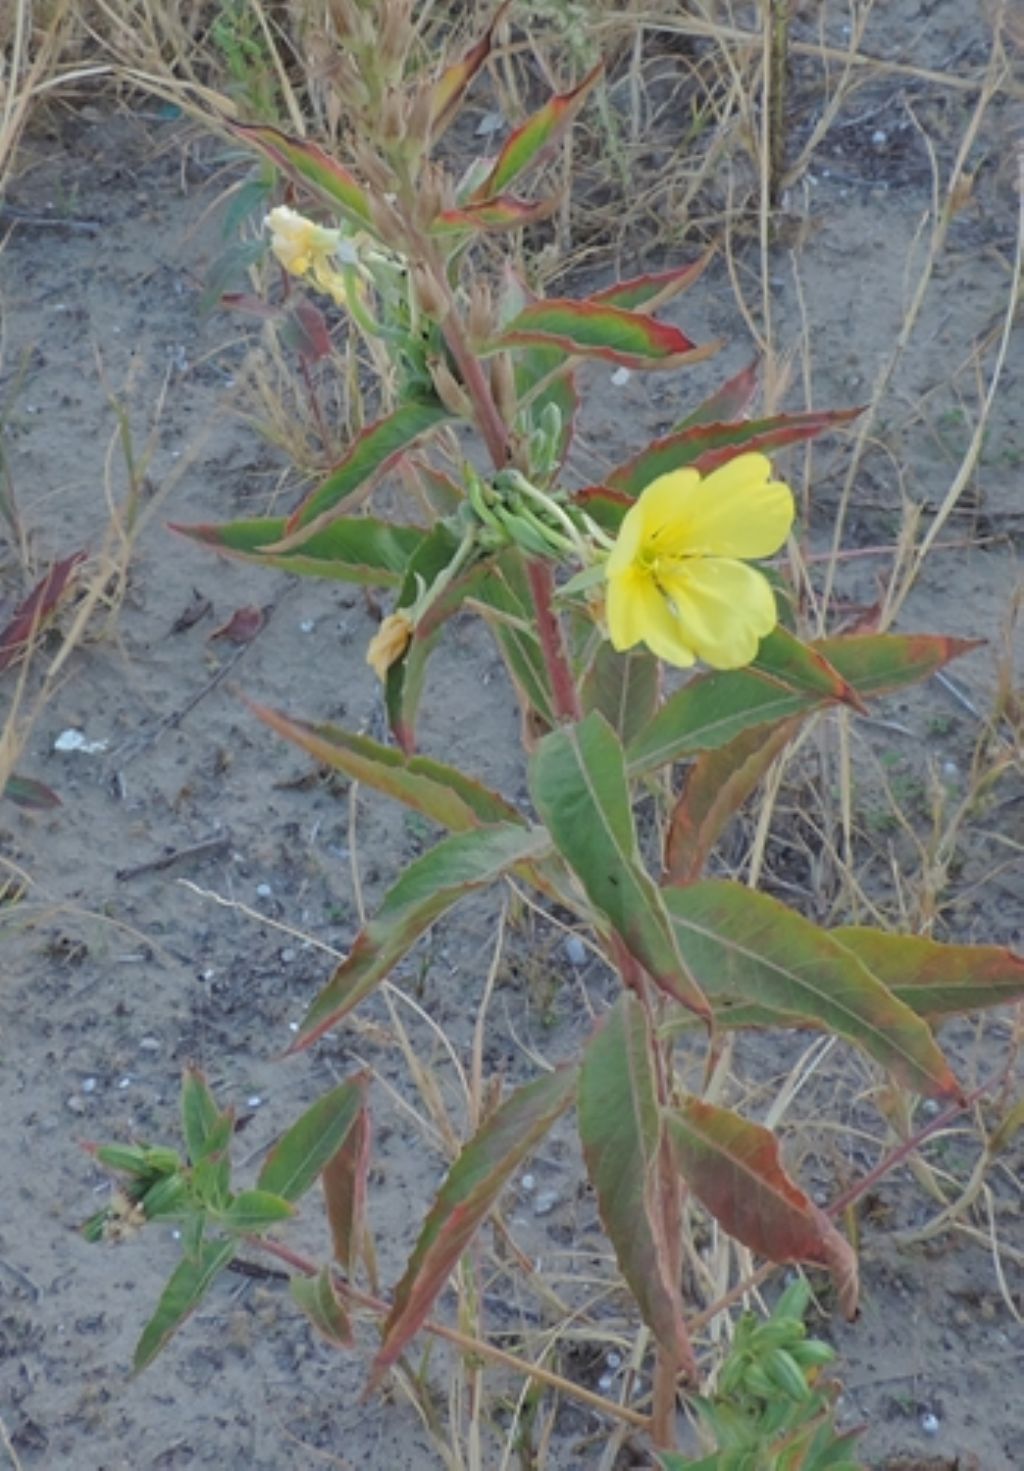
(319, 1301)
(349, 549)
(578, 781)
(624, 687)
(707, 445)
(937, 980)
(621, 1132)
(370, 455)
(428, 887)
(32, 613)
(652, 291)
(202, 1121)
(184, 1291)
(344, 1184)
(450, 88)
(799, 666)
(717, 785)
(440, 792)
(306, 163)
(253, 1211)
(535, 137)
(744, 946)
(714, 709)
(299, 1156)
(474, 1183)
(592, 329)
(25, 791)
(503, 212)
(727, 403)
(734, 1169)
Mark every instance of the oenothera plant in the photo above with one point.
(588, 590)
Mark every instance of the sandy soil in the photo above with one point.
(111, 982)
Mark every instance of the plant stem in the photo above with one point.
(549, 630)
(463, 1341)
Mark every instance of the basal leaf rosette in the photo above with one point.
(678, 577)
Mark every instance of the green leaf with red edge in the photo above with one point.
(624, 687)
(344, 1180)
(440, 792)
(621, 1133)
(32, 612)
(535, 137)
(704, 446)
(476, 1179)
(578, 781)
(794, 665)
(735, 1170)
(543, 375)
(307, 163)
(449, 90)
(357, 549)
(934, 979)
(727, 403)
(440, 494)
(320, 1303)
(653, 290)
(591, 329)
(32, 795)
(713, 709)
(299, 1156)
(503, 599)
(185, 1289)
(206, 1127)
(503, 212)
(428, 887)
(744, 946)
(371, 455)
(717, 785)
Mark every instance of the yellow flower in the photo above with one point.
(389, 643)
(676, 581)
(306, 249)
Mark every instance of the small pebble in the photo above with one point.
(307, 625)
(621, 377)
(545, 1202)
(613, 1360)
(930, 1423)
(575, 950)
(75, 1104)
(529, 1183)
(149, 1044)
(287, 956)
(950, 769)
(207, 974)
(930, 1107)
(879, 138)
(263, 891)
(88, 1085)
(253, 1101)
(606, 1382)
(125, 1082)
(293, 1026)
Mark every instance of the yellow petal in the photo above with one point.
(638, 612)
(660, 511)
(724, 609)
(628, 542)
(737, 511)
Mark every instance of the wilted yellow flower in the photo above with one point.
(389, 643)
(676, 581)
(305, 248)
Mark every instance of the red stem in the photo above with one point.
(549, 630)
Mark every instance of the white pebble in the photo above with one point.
(253, 1101)
(879, 137)
(575, 950)
(545, 1202)
(606, 1382)
(621, 377)
(613, 1360)
(950, 769)
(930, 1107)
(125, 1082)
(293, 1026)
(88, 1085)
(263, 891)
(528, 1183)
(307, 625)
(149, 1044)
(74, 740)
(930, 1423)
(287, 956)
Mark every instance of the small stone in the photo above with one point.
(263, 891)
(951, 770)
(545, 1202)
(575, 950)
(529, 1183)
(149, 1044)
(125, 1082)
(287, 955)
(207, 974)
(88, 1085)
(613, 1360)
(253, 1101)
(621, 377)
(879, 137)
(930, 1423)
(293, 1026)
(307, 625)
(606, 1383)
(75, 1104)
